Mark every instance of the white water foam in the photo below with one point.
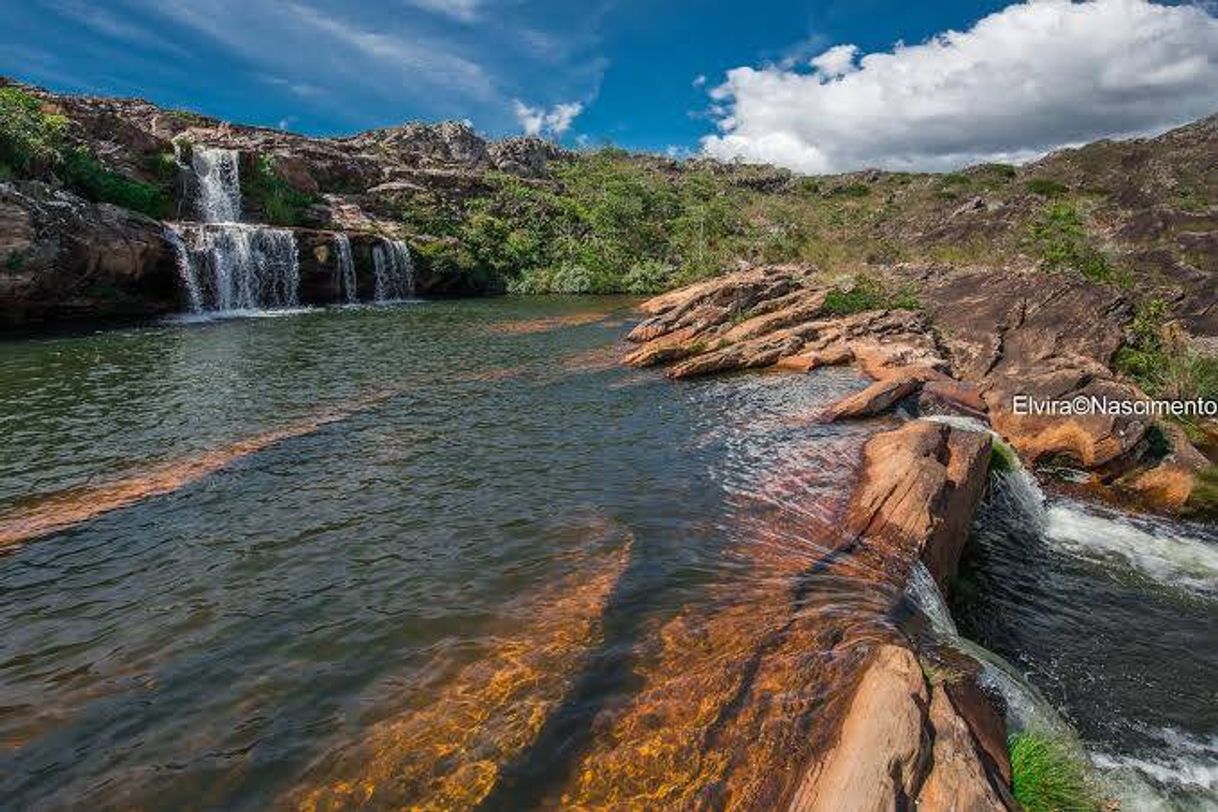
(232, 267)
(344, 269)
(393, 270)
(227, 266)
(218, 198)
(1161, 552)
(1180, 773)
(1027, 709)
(186, 271)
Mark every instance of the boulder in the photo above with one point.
(958, 780)
(883, 748)
(877, 398)
(62, 257)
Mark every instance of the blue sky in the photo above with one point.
(630, 67)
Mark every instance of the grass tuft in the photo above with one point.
(1003, 458)
(1048, 775)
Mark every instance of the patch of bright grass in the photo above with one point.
(1048, 775)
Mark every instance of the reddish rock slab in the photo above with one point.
(877, 398)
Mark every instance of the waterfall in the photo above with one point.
(344, 268)
(394, 271)
(1026, 707)
(219, 185)
(227, 265)
(233, 266)
(186, 269)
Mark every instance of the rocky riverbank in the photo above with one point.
(968, 344)
(86, 184)
(906, 736)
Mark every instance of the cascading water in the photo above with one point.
(344, 268)
(1090, 603)
(219, 185)
(224, 264)
(186, 271)
(394, 271)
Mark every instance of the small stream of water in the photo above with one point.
(1114, 619)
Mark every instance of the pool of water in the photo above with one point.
(447, 551)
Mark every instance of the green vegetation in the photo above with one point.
(1049, 775)
(1159, 361)
(81, 171)
(864, 293)
(611, 224)
(281, 203)
(1045, 187)
(34, 142)
(1004, 171)
(1203, 501)
(851, 190)
(1064, 244)
(1003, 458)
(30, 139)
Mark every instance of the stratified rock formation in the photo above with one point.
(904, 735)
(978, 339)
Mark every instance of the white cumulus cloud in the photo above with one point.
(1034, 77)
(540, 121)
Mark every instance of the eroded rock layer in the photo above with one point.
(983, 344)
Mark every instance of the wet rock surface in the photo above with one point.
(896, 738)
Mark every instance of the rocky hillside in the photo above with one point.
(85, 180)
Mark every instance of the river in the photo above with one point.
(416, 551)
(455, 552)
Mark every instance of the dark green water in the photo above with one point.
(489, 488)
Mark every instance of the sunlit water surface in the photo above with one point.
(448, 551)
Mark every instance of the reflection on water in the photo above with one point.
(397, 555)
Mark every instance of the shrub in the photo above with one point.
(571, 278)
(1048, 775)
(905, 299)
(1160, 363)
(84, 173)
(1006, 171)
(1045, 187)
(1060, 235)
(863, 293)
(648, 276)
(30, 139)
(282, 204)
(34, 142)
(850, 190)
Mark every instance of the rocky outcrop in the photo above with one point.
(903, 741)
(980, 339)
(899, 738)
(64, 258)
